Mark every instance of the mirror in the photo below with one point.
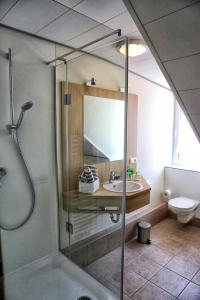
(103, 129)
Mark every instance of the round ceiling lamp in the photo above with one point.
(135, 48)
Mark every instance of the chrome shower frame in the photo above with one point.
(13, 131)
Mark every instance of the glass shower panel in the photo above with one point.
(24, 247)
(92, 125)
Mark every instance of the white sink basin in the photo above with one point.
(117, 186)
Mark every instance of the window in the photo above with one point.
(186, 146)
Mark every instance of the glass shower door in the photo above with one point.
(93, 112)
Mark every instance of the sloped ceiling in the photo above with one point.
(171, 29)
(77, 22)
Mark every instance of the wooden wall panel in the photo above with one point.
(105, 169)
(72, 133)
(132, 126)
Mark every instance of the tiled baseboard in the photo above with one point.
(89, 250)
(153, 214)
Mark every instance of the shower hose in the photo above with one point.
(30, 182)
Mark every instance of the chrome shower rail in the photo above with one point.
(62, 57)
(9, 57)
(13, 131)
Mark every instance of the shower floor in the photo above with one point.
(169, 268)
(53, 277)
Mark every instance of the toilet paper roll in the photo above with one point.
(166, 194)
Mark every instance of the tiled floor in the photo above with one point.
(169, 268)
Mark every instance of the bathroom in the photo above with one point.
(63, 228)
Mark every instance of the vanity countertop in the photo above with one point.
(101, 192)
(76, 201)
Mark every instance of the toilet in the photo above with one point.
(184, 208)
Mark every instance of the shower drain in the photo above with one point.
(84, 298)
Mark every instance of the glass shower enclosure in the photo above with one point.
(92, 114)
(79, 118)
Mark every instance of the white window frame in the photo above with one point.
(176, 156)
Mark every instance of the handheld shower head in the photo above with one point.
(24, 107)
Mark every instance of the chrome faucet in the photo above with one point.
(112, 177)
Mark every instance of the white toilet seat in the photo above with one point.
(184, 208)
(182, 203)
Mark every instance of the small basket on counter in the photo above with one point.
(89, 180)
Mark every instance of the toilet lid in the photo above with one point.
(181, 202)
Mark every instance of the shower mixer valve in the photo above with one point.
(2, 174)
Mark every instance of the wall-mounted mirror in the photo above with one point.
(98, 115)
(103, 129)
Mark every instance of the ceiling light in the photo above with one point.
(135, 48)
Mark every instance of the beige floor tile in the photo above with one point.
(114, 288)
(184, 266)
(155, 253)
(174, 246)
(126, 297)
(196, 278)
(151, 292)
(132, 283)
(105, 267)
(134, 247)
(132, 250)
(191, 292)
(170, 244)
(171, 229)
(191, 251)
(170, 281)
(143, 266)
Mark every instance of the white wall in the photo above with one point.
(183, 183)
(155, 131)
(33, 80)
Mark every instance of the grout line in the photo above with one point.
(185, 90)
(96, 56)
(150, 282)
(99, 24)
(171, 13)
(183, 290)
(177, 274)
(52, 21)
(75, 11)
(162, 289)
(11, 7)
(88, 30)
(68, 6)
(180, 57)
(195, 275)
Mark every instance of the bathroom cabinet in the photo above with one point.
(137, 201)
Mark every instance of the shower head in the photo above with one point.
(26, 106)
